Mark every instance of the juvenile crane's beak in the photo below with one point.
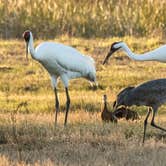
(107, 57)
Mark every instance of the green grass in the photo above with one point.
(28, 136)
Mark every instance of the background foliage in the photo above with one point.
(85, 18)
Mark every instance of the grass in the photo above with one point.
(27, 134)
(85, 141)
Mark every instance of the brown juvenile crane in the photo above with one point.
(107, 115)
(151, 94)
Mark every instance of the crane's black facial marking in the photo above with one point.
(26, 36)
(112, 50)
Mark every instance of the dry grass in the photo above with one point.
(85, 141)
(28, 136)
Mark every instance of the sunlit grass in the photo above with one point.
(28, 135)
(85, 140)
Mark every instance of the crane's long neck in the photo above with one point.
(31, 48)
(105, 105)
(148, 56)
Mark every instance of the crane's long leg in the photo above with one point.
(56, 105)
(67, 105)
(145, 122)
(153, 123)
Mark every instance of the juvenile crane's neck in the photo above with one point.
(105, 105)
(139, 57)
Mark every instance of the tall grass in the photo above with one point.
(86, 18)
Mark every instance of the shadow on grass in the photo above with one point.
(88, 107)
(5, 69)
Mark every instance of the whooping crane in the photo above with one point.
(62, 62)
(151, 94)
(158, 54)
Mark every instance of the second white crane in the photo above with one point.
(62, 62)
(158, 54)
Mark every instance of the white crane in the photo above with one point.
(62, 62)
(158, 54)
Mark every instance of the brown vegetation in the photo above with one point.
(97, 18)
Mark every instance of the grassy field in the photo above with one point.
(28, 136)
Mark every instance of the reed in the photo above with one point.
(92, 18)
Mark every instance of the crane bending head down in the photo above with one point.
(114, 47)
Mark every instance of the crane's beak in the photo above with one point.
(107, 57)
(114, 105)
(27, 51)
(109, 54)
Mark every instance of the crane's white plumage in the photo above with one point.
(67, 57)
(61, 61)
(158, 54)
